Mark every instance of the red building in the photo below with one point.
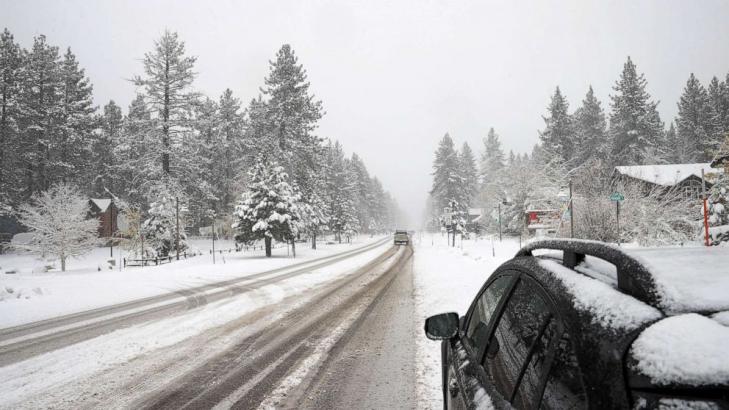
(107, 213)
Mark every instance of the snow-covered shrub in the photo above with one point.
(657, 216)
(270, 209)
(58, 224)
(160, 229)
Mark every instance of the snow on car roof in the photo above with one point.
(688, 279)
(667, 174)
(687, 349)
(608, 306)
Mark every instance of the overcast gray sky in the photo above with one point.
(395, 76)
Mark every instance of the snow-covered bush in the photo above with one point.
(160, 229)
(657, 216)
(270, 209)
(58, 224)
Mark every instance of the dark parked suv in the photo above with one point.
(580, 324)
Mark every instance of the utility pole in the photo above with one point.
(177, 218)
(213, 239)
(499, 221)
(706, 210)
(572, 213)
(111, 230)
(617, 219)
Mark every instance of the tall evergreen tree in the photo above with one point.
(40, 110)
(341, 193)
(492, 157)
(467, 164)
(719, 102)
(695, 121)
(231, 151)
(167, 86)
(447, 178)
(590, 130)
(136, 164)
(635, 126)
(76, 123)
(11, 64)
(557, 136)
(679, 149)
(292, 113)
(103, 161)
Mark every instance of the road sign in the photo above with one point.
(617, 197)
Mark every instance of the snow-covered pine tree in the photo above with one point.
(39, 105)
(492, 158)
(467, 164)
(362, 192)
(558, 135)
(679, 150)
(340, 193)
(103, 162)
(167, 213)
(231, 152)
(71, 152)
(635, 126)
(136, 165)
(719, 102)
(695, 122)
(292, 112)
(167, 91)
(379, 206)
(57, 221)
(10, 80)
(590, 130)
(447, 178)
(492, 174)
(269, 209)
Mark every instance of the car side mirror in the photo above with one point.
(441, 327)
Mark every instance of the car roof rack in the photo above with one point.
(633, 278)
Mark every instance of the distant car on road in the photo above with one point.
(571, 324)
(402, 238)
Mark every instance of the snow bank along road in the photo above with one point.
(347, 341)
(20, 342)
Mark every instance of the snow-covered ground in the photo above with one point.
(30, 294)
(56, 370)
(446, 280)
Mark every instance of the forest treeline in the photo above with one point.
(172, 141)
(583, 147)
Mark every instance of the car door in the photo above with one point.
(524, 338)
(462, 386)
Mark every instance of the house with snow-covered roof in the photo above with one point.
(107, 213)
(685, 177)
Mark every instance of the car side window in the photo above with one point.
(517, 352)
(484, 309)
(564, 389)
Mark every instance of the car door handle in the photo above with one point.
(453, 387)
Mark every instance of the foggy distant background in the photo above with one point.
(395, 76)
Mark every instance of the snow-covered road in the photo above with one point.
(187, 338)
(343, 330)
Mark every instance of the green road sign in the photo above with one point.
(617, 197)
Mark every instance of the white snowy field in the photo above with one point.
(30, 294)
(28, 384)
(446, 280)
